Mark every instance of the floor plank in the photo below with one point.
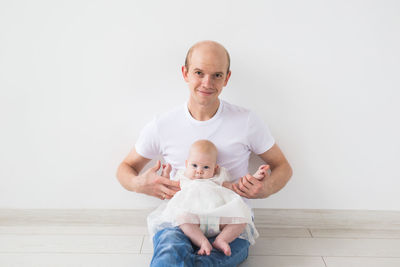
(72, 260)
(283, 232)
(361, 261)
(147, 247)
(327, 247)
(283, 261)
(355, 233)
(328, 219)
(129, 230)
(74, 230)
(70, 217)
(70, 244)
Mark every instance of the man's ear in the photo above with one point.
(228, 75)
(185, 73)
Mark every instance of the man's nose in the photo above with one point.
(207, 81)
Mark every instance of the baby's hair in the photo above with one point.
(205, 146)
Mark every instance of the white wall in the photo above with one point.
(79, 79)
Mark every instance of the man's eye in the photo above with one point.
(198, 72)
(194, 165)
(218, 75)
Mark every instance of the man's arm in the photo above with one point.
(250, 187)
(149, 182)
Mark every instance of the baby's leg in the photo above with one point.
(261, 172)
(197, 237)
(229, 233)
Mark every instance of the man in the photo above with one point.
(234, 130)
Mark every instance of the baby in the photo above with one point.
(203, 207)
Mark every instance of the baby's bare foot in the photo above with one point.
(222, 245)
(205, 248)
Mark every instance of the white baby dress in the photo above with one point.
(205, 202)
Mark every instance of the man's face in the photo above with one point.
(207, 75)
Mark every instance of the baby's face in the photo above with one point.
(200, 166)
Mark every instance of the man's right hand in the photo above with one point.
(158, 186)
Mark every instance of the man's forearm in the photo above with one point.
(127, 177)
(277, 179)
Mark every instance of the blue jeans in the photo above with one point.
(173, 248)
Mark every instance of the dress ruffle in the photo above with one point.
(205, 198)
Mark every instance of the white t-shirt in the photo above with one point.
(235, 131)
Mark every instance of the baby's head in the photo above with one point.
(202, 160)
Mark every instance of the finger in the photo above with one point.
(253, 181)
(248, 180)
(157, 166)
(161, 195)
(167, 191)
(169, 196)
(170, 183)
(256, 188)
(252, 184)
(227, 185)
(173, 185)
(238, 191)
(175, 188)
(243, 187)
(244, 184)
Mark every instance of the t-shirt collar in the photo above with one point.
(193, 120)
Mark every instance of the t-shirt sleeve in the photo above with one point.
(259, 136)
(148, 144)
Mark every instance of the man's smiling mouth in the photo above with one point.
(205, 92)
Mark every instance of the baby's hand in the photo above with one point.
(166, 170)
(261, 172)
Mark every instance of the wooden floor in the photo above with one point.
(312, 238)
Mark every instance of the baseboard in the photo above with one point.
(274, 218)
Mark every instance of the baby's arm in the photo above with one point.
(261, 172)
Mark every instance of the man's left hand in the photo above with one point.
(250, 187)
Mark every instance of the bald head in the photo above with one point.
(211, 47)
(204, 147)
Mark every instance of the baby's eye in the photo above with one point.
(206, 167)
(194, 165)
